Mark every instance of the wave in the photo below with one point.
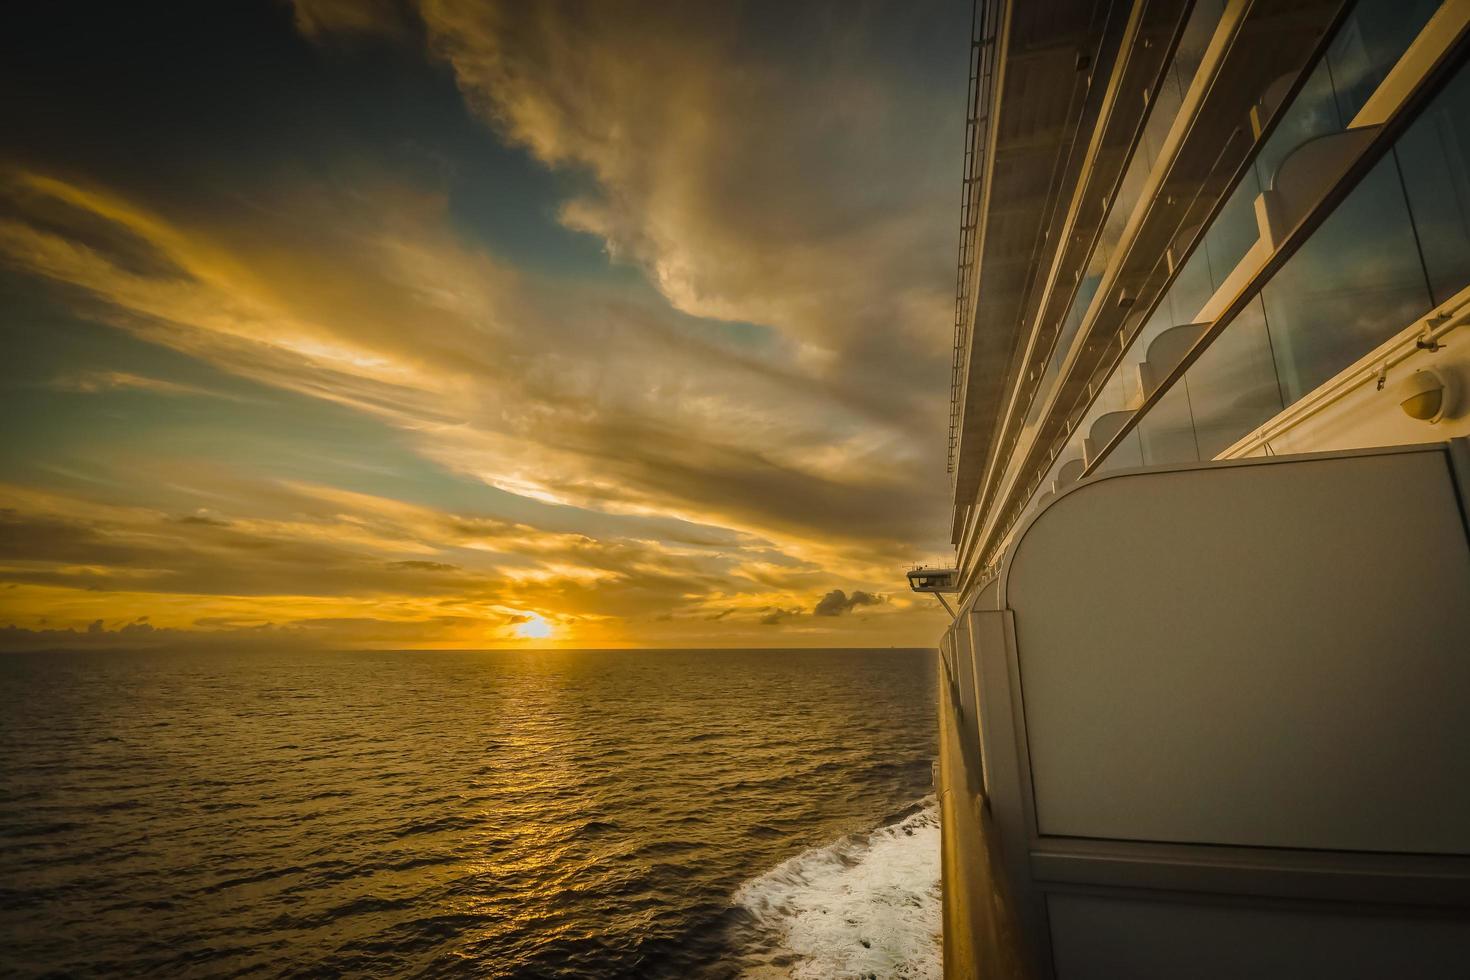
(865, 906)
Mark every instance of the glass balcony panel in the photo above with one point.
(1085, 291)
(1165, 107)
(1128, 453)
(1311, 114)
(1357, 282)
(1078, 445)
(1166, 433)
(1368, 45)
(1052, 474)
(1434, 159)
(1120, 209)
(1198, 31)
(1189, 54)
(1204, 18)
(1162, 320)
(1190, 291)
(1119, 392)
(1353, 285)
(1234, 230)
(1233, 386)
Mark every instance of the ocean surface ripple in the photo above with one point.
(504, 814)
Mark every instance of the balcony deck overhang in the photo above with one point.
(1261, 41)
(1049, 52)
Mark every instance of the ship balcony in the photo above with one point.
(1213, 720)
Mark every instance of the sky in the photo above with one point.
(441, 323)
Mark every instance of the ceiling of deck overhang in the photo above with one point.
(1040, 92)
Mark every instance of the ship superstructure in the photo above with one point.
(1205, 705)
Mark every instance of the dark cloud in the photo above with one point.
(776, 616)
(137, 634)
(837, 602)
(202, 520)
(46, 538)
(353, 17)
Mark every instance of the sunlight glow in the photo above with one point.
(534, 628)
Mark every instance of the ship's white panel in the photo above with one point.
(1103, 938)
(1272, 654)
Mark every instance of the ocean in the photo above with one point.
(495, 814)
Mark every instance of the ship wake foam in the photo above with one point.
(865, 906)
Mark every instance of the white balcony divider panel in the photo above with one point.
(1269, 653)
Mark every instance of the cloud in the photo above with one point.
(97, 382)
(334, 563)
(837, 602)
(637, 415)
(128, 635)
(794, 182)
(203, 520)
(329, 544)
(320, 18)
(329, 568)
(777, 616)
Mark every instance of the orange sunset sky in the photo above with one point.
(453, 324)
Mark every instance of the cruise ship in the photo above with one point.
(1205, 702)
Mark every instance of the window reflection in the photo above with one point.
(1368, 45)
(1191, 290)
(1233, 386)
(1434, 157)
(1311, 114)
(1198, 31)
(1353, 285)
(1167, 431)
(1128, 453)
(1233, 231)
(1200, 28)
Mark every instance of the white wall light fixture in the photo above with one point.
(1424, 396)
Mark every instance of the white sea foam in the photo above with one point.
(866, 906)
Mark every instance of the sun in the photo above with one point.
(534, 628)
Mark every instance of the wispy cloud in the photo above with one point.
(96, 382)
(762, 164)
(564, 394)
